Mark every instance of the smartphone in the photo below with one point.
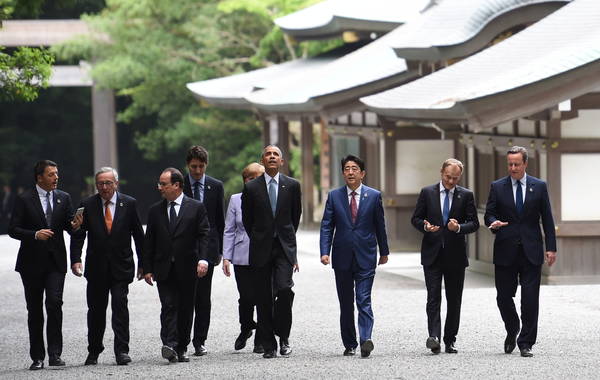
(79, 211)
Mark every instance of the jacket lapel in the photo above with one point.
(281, 192)
(182, 209)
(118, 211)
(437, 201)
(508, 192)
(457, 197)
(529, 190)
(343, 195)
(362, 204)
(37, 204)
(99, 212)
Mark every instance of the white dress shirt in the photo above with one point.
(523, 187)
(112, 205)
(42, 195)
(276, 178)
(177, 201)
(357, 196)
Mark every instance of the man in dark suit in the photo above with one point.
(175, 255)
(209, 191)
(40, 216)
(445, 214)
(514, 208)
(353, 222)
(271, 209)
(110, 219)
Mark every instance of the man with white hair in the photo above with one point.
(110, 219)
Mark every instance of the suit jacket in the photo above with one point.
(262, 226)
(429, 208)
(27, 218)
(359, 240)
(213, 202)
(182, 248)
(109, 252)
(236, 242)
(521, 230)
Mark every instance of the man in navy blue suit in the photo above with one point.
(514, 208)
(353, 222)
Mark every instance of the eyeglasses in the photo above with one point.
(105, 183)
(163, 184)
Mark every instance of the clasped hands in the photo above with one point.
(452, 226)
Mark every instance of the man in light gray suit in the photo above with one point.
(236, 245)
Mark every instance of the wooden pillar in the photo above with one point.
(325, 159)
(104, 128)
(308, 203)
(266, 131)
(282, 140)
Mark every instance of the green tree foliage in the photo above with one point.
(147, 50)
(26, 71)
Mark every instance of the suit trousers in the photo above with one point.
(275, 297)
(453, 275)
(52, 283)
(177, 310)
(523, 272)
(247, 300)
(97, 300)
(202, 306)
(347, 282)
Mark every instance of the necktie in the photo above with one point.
(48, 209)
(446, 207)
(107, 216)
(273, 194)
(197, 192)
(519, 199)
(353, 206)
(172, 217)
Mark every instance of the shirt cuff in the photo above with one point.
(458, 231)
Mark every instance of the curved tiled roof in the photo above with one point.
(561, 50)
(457, 28)
(331, 18)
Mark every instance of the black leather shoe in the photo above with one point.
(122, 358)
(200, 350)
(510, 343)
(349, 351)
(55, 361)
(258, 349)
(36, 365)
(182, 357)
(240, 342)
(433, 343)
(270, 354)
(92, 359)
(450, 349)
(366, 347)
(526, 352)
(169, 354)
(284, 347)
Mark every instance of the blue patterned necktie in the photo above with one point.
(519, 199)
(273, 194)
(446, 207)
(198, 191)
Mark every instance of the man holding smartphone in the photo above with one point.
(110, 219)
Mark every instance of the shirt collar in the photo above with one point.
(201, 180)
(41, 191)
(178, 200)
(268, 178)
(112, 200)
(442, 188)
(357, 191)
(523, 180)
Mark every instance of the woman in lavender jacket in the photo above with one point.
(235, 251)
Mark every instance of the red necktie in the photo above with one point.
(353, 207)
(107, 216)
